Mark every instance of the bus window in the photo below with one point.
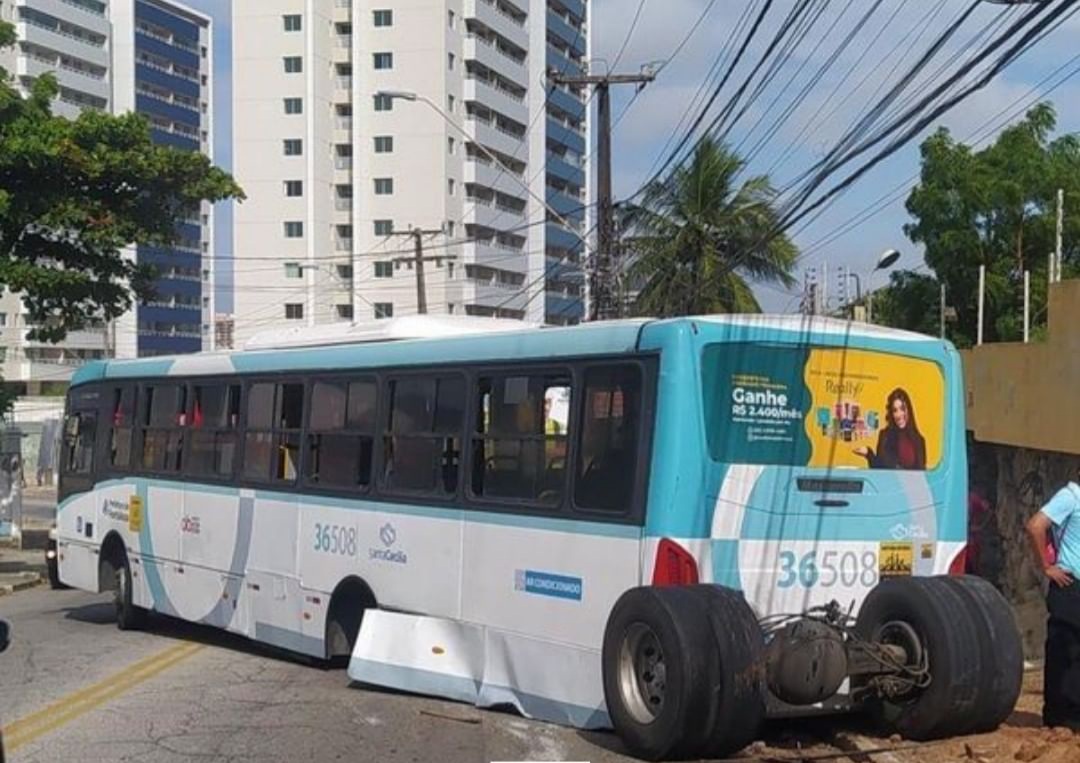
(164, 414)
(519, 444)
(272, 438)
(422, 445)
(80, 430)
(122, 426)
(341, 434)
(608, 445)
(215, 418)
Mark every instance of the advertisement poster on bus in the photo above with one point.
(823, 407)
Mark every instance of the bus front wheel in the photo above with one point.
(680, 671)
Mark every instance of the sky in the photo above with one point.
(896, 31)
(885, 46)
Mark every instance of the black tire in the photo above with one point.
(342, 629)
(674, 679)
(54, 575)
(128, 616)
(937, 614)
(659, 714)
(739, 709)
(1001, 652)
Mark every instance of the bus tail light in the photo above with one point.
(674, 565)
(958, 565)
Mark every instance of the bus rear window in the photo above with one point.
(822, 407)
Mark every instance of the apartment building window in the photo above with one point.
(384, 186)
(450, 19)
(384, 144)
(450, 61)
(294, 311)
(384, 18)
(293, 146)
(294, 187)
(292, 22)
(450, 232)
(383, 102)
(450, 145)
(383, 60)
(450, 103)
(294, 105)
(3, 319)
(293, 64)
(450, 186)
(345, 312)
(384, 310)
(294, 229)
(293, 270)
(384, 270)
(384, 227)
(344, 272)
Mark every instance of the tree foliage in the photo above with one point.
(700, 237)
(994, 207)
(75, 193)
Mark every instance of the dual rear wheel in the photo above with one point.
(684, 667)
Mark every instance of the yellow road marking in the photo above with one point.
(76, 704)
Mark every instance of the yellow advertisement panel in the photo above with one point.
(874, 409)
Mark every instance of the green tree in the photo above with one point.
(74, 193)
(910, 301)
(699, 238)
(994, 207)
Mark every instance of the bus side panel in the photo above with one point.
(558, 582)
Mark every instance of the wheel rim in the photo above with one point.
(642, 673)
(904, 635)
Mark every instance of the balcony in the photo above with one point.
(343, 244)
(560, 238)
(564, 170)
(574, 39)
(575, 7)
(569, 137)
(492, 176)
(567, 103)
(496, 99)
(155, 75)
(568, 206)
(563, 306)
(492, 136)
(145, 104)
(563, 269)
(488, 53)
(343, 205)
(56, 39)
(558, 61)
(495, 19)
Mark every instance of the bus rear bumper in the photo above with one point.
(553, 682)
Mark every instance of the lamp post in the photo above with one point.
(887, 259)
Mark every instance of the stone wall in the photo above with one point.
(1016, 482)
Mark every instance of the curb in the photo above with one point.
(30, 580)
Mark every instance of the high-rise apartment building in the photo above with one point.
(162, 67)
(337, 171)
(149, 56)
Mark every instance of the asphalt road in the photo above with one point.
(75, 688)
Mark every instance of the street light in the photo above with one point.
(887, 259)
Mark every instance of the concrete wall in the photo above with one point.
(1026, 394)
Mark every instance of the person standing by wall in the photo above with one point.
(1058, 522)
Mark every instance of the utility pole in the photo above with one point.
(605, 299)
(942, 309)
(1057, 237)
(418, 259)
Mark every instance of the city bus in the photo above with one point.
(675, 528)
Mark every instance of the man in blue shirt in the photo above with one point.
(1059, 522)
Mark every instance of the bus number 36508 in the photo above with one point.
(335, 539)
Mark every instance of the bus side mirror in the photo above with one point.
(5, 635)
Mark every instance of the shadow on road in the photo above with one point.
(101, 613)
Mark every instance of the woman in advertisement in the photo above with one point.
(900, 445)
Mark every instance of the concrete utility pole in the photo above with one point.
(605, 302)
(1060, 224)
(418, 259)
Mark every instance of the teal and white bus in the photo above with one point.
(672, 527)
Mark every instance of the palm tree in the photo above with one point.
(697, 239)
